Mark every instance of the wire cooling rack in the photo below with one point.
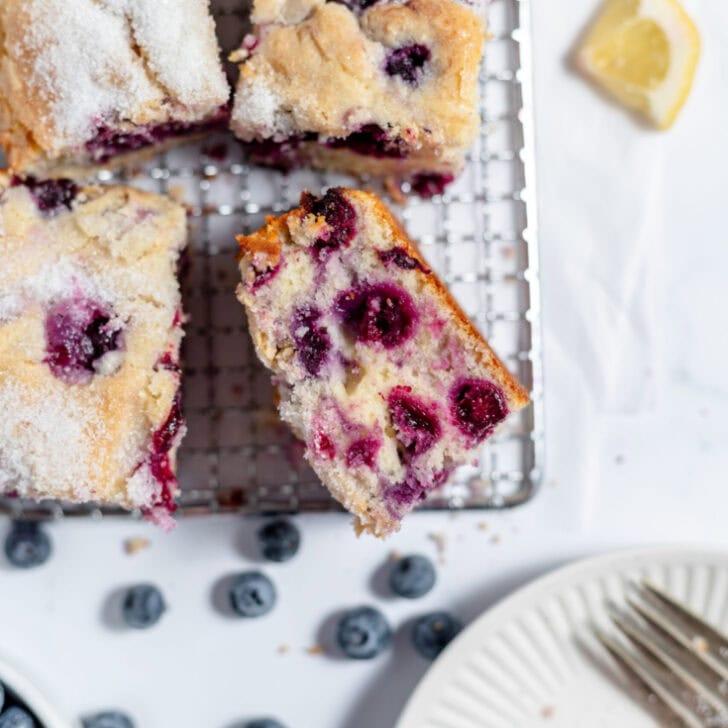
(480, 237)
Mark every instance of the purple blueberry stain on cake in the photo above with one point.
(323, 446)
(79, 334)
(401, 258)
(401, 496)
(363, 452)
(50, 195)
(160, 462)
(371, 140)
(261, 277)
(282, 155)
(417, 425)
(429, 185)
(340, 217)
(357, 5)
(311, 339)
(408, 63)
(380, 313)
(478, 407)
(109, 142)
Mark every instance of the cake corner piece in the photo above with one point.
(86, 85)
(90, 331)
(378, 370)
(403, 107)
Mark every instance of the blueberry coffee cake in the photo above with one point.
(92, 82)
(90, 329)
(378, 370)
(367, 87)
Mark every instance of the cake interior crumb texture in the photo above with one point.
(87, 80)
(90, 329)
(382, 88)
(378, 370)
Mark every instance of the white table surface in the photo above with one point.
(652, 469)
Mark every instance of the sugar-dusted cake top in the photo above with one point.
(330, 69)
(90, 327)
(71, 67)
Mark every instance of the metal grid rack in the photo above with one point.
(479, 237)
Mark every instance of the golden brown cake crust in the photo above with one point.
(87, 434)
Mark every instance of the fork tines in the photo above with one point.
(676, 655)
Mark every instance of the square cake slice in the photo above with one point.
(380, 373)
(90, 330)
(365, 87)
(92, 82)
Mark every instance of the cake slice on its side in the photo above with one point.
(90, 329)
(364, 87)
(86, 84)
(379, 371)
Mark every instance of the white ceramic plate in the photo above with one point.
(33, 696)
(532, 660)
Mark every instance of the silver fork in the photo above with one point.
(680, 659)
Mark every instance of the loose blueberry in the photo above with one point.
(372, 141)
(264, 723)
(432, 633)
(16, 717)
(363, 452)
(412, 576)
(408, 62)
(27, 545)
(377, 313)
(363, 633)
(49, 195)
(252, 594)
(279, 540)
(418, 428)
(478, 406)
(108, 719)
(340, 218)
(143, 606)
(312, 340)
(79, 332)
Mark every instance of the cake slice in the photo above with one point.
(90, 329)
(379, 371)
(365, 87)
(85, 83)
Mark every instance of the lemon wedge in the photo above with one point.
(644, 53)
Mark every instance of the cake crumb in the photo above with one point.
(548, 711)
(395, 556)
(440, 541)
(315, 650)
(283, 649)
(700, 644)
(482, 526)
(135, 545)
(394, 190)
(177, 193)
(496, 539)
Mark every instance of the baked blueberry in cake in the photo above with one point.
(95, 82)
(378, 370)
(90, 329)
(362, 86)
